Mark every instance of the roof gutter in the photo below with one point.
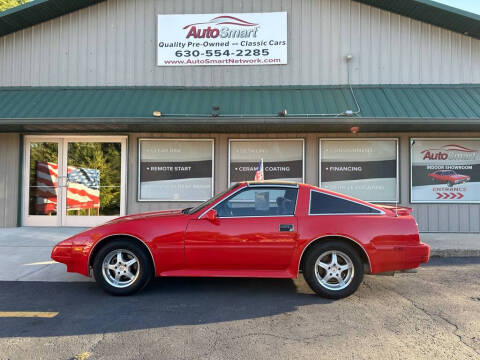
(260, 119)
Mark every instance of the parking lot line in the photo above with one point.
(42, 263)
(27, 314)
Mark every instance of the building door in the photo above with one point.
(73, 181)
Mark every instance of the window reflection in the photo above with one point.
(93, 179)
(43, 179)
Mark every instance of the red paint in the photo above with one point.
(196, 245)
(449, 176)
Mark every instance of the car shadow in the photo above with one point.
(85, 309)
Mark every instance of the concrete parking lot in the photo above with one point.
(434, 314)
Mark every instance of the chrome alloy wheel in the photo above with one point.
(334, 270)
(120, 268)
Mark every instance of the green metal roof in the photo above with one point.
(41, 105)
(37, 11)
(434, 13)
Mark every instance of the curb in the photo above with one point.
(455, 253)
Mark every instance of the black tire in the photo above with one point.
(342, 249)
(449, 184)
(143, 271)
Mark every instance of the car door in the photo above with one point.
(255, 229)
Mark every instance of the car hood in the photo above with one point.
(147, 215)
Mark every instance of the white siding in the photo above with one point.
(113, 43)
(9, 146)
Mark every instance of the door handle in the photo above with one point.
(286, 227)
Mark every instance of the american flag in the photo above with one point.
(47, 189)
(83, 190)
(259, 173)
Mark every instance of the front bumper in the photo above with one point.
(62, 252)
(73, 256)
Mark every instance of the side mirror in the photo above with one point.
(211, 215)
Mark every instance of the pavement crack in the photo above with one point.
(434, 317)
(94, 346)
(456, 332)
(304, 340)
(32, 272)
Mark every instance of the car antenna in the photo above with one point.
(396, 207)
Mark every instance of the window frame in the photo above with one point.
(397, 160)
(139, 158)
(232, 140)
(411, 142)
(250, 187)
(379, 212)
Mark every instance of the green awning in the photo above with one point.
(36, 11)
(40, 105)
(432, 12)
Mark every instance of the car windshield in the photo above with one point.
(208, 202)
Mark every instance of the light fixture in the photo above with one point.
(354, 129)
(283, 113)
(349, 57)
(157, 113)
(215, 110)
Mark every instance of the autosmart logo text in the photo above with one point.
(449, 152)
(222, 39)
(225, 32)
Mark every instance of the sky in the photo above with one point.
(468, 5)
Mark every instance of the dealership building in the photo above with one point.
(116, 107)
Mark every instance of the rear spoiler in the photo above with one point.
(398, 210)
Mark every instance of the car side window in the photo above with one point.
(322, 203)
(259, 201)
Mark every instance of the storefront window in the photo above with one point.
(175, 170)
(43, 178)
(93, 178)
(365, 168)
(445, 170)
(281, 159)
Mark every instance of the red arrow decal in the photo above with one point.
(460, 195)
(445, 196)
(453, 195)
(439, 196)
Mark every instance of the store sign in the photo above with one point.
(445, 170)
(222, 39)
(282, 159)
(175, 170)
(365, 169)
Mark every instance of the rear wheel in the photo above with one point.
(333, 269)
(122, 268)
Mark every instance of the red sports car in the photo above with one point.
(253, 229)
(449, 177)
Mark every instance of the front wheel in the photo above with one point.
(122, 268)
(333, 269)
